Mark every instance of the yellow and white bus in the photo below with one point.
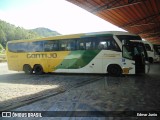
(98, 52)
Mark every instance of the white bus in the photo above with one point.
(150, 51)
(156, 52)
(98, 52)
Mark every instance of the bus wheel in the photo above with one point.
(38, 69)
(27, 69)
(114, 70)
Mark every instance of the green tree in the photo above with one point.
(11, 32)
(3, 39)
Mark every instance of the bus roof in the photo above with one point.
(81, 35)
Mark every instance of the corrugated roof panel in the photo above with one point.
(136, 16)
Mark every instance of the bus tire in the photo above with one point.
(150, 59)
(27, 69)
(38, 69)
(114, 70)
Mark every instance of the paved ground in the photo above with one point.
(131, 93)
(16, 88)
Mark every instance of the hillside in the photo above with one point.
(45, 32)
(11, 32)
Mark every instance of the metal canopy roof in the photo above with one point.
(136, 16)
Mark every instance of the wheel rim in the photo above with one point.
(27, 69)
(114, 70)
(38, 70)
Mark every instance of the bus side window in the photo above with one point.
(55, 46)
(22, 47)
(13, 47)
(88, 45)
(35, 46)
(68, 45)
(94, 45)
(63, 45)
(148, 48)
(50, 45)
(101, 45)
(18, 47)
(72, 44)
(80, 45)
(47, 46)
(111, 44)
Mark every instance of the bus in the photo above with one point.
(156, 48)
(109, 52)
(150, 51)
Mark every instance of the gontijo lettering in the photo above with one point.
(42, 55)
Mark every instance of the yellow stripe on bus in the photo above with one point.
(48, 60)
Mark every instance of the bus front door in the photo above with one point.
(139, 64)
(139, 57)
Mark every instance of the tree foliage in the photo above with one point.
(1, 48)
(11, 32)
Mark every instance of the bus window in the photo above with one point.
(91, 43)
(12, 47)
(135, 51)
(108, 43)
(18, 47)
(81, 44)
(102, 45)
(148, 48)
(50, 45)
(67, 45)
(157, 49)
(63, 45)
(88, 45)
(35, 46)
(22, 47)
(128, 37)
(71, 44)
(128, 52)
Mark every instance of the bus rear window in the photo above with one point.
(26, 47)
(17, 47)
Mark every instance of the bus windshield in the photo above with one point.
(128, 37)
(157, 49)
(134, 49)
(148, 48)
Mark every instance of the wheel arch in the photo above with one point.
(38, 72)
(114, 70)
(111, 64)
(151, 60)
(27, 69)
